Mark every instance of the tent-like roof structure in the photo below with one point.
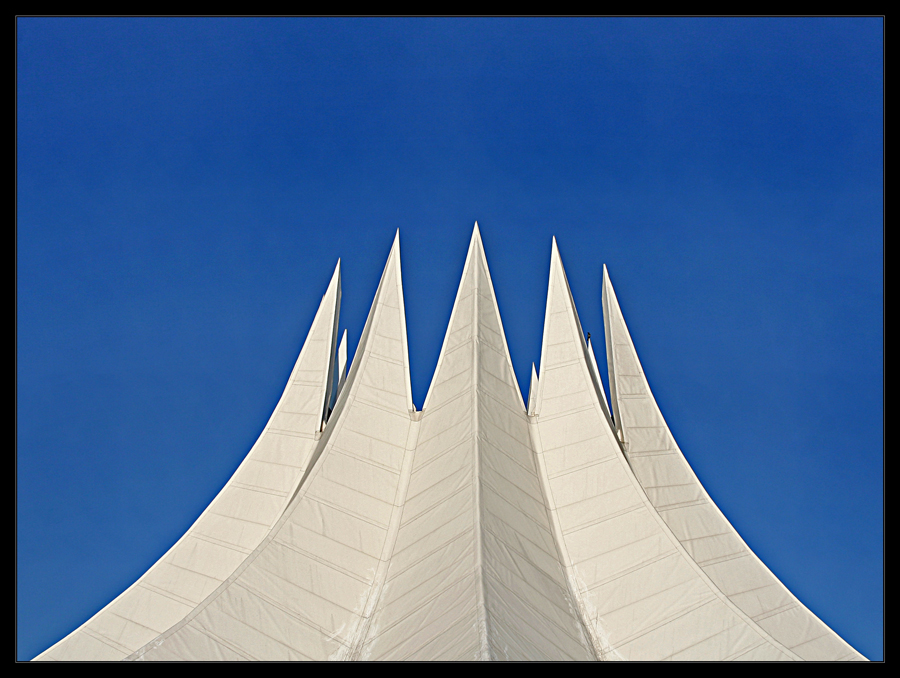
(476, 528)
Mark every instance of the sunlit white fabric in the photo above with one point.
(476, 528)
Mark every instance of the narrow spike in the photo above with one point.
(565, 304)
(533, 392)
(608, 299)
(342, 362)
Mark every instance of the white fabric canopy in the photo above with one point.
(474, 529)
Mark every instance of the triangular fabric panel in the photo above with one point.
(640, 594)
(303, 593)
(235, 522)
(690, 513)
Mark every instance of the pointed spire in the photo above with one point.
(563, 333)
(475, 313)
(342, 361)
(610, 312)
(391, 339)
(332, 293)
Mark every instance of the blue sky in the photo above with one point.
(185, 187)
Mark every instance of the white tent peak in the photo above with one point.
(388, 301)
(475, 312)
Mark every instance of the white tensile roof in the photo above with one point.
(472, 529)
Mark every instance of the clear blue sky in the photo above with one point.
(185, 187)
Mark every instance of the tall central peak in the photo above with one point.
(475, 322)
